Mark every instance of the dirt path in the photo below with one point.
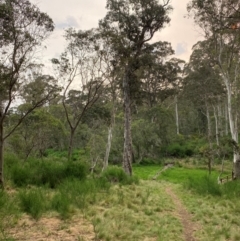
(188, 226)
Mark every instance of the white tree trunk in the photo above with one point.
(209, 125)
(176, 113)
(226, 120)
(216, 125)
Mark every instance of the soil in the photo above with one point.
(188, 226)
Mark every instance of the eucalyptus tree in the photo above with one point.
(202, 84)
(82, 72)
(130, 24)
(217, 19)
(23, 27)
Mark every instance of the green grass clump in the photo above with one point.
(21, 175)
(76, 170)
(46, 172)
(116, 174)
(204, 185)
(61, 203)
(32, 202)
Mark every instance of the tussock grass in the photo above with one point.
(33, 202)
(136, 212)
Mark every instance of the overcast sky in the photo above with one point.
(85, 14)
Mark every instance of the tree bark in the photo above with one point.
(70, 145)
(127, 148)
(226, 120)
(108, 148)
(176, 112)
(216, 125)
(1, 157)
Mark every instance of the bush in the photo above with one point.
(176, 150)
(116, 174)
(76, 169)
(21, 175)
(32, 202)
(61, 203)
(51, 173)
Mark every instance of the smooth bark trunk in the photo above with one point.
(176, 112)
(216, 125)
(127, 148)
(209, 126)
(226, 120)
(234, 131)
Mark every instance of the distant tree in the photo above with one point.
(80, 68)
(130, 25)
(216, 19)
(23, 27)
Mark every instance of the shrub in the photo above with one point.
(61, 203)
(176, 150)
(21, 175)
(76, 169)
(52, 173)
(32, 202)
(116, 174)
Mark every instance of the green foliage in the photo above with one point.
(116, 174)
(32, 202)
(46, 172)
(76, 170)
(61, 203)
(21, 174)
(205, 185)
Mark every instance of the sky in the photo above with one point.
(85, 14)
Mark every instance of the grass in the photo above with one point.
(136, 212)
(116, 207)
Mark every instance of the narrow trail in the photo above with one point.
(188, 226)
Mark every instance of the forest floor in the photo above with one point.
(159, 218)
(153, 210)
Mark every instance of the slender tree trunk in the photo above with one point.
(70, 145)
(216, 125)
(234, 131)
(127, 148)
(209, 125)
(1, 157)
(108, 148)
(226, 120)
(219, 115)
(209, 134)
(176, 112)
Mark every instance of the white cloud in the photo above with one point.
(85, 14)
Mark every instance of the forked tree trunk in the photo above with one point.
(127, 148)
